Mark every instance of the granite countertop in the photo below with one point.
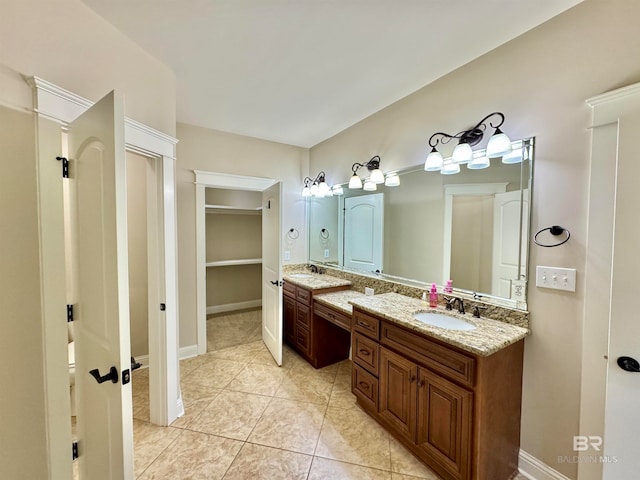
(339, 300)
(314, 281)
(487, 338)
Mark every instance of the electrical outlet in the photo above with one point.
(326, 253)
(517, 289)
(287, 255)
(368, 291)
(556, 278)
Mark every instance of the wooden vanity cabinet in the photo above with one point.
(318, 341)
(458, 412)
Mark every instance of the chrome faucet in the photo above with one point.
(313, 268)
(451, 302)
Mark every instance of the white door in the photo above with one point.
(98, 214)
(622, 413)
(506, 241)
(272, 271)
(364, 232)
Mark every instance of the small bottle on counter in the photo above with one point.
(433, 296)
(448, 288)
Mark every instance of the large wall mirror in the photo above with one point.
(472, 228)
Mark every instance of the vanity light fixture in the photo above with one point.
(499, 146)
(316, 187)
(392, 180)
(376, 176)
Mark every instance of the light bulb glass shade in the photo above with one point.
(337, 190)
(355, 182)
(434, 161)
(377, 176)
(323, 188)
(369, 186)
(314, 189)
(306, 192)
(499, 145)
(329, 193)
(514, 157)
(450, 168)
(462, 153)
(479, 163)
(392, 180)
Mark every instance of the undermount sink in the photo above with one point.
(301, 275)
(443, 321)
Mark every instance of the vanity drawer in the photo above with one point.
(365, 352)
(366, 324)
(289, 289)
(303, 316)
(365, 387)
(332, 315)
(443, 360)
(303, 341)
(303, 296)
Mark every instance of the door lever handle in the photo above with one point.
(276, 283)
(112, 375)
(629, 364)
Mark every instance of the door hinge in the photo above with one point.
(65, 166)
(163, 307)
(69, 313)
(74, 450)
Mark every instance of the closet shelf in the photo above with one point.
(231, 210)
(240, 261)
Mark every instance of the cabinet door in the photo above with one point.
(289, 319)
(444, 422)
(397, 399)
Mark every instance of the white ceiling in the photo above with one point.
(300, 71)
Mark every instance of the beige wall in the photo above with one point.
(66, 43)
(138, 271)
(214, 151)
(540, 81)
(21, 355)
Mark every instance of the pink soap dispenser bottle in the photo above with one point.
(433, 296)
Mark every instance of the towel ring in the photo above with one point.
(324, 234)
(554, 230)
(293, 233)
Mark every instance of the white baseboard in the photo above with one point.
(188, 352)
(534, 469)
(230, 307)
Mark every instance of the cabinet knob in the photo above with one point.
(421, 384)
(412, 379)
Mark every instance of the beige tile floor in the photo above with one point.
(247, 418)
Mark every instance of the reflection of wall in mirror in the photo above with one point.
(472, 242)
(323, 214)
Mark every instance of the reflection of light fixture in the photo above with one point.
(499, 146)
(392, 180)
(337, 190)
(480, 160)
(450, 168)
(316, 187)
(376, 176)
(517, 154)
(370, 186)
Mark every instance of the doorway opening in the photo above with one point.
(233, 267)
(268, 258)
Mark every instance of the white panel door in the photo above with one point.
(364, 232)
(98, 215)
(506, 241)
(622, 415)
(272, 271)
